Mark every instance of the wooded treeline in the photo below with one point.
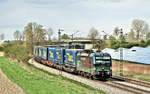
(35, 34)
(139, 35)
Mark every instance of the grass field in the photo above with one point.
(35, 81)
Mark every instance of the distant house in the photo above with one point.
(86, 42)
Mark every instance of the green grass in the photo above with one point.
(36, 81)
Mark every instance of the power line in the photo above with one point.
(59, 41)
(73, 35)
(121, 54)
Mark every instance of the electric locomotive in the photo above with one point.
(96, 65)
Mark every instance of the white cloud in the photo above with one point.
(73, 14)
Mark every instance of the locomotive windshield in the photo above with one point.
(102, 58)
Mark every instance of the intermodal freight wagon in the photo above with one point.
(87, 63)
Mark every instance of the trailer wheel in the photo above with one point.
(91, 77)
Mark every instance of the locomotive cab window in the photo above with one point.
(102, 59)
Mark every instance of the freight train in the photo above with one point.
(88, 63)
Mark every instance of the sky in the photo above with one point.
(72, 15)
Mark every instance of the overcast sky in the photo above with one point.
(72, 15)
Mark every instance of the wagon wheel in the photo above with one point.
(82, 74)
(79, 73)
(86, 74)
(91, 77)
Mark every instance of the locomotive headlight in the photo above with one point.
(110, 68)
(108, 72)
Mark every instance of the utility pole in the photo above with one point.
(59, 40)
(59, 36)
(105, 36)
(73, 35)
(121, 54)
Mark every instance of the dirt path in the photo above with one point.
(1, 54)
(7, 87)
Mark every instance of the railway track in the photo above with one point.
(115, 83)
(129, 80)
(136, 89)
(126, 85)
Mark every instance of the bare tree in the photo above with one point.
(116, 32)
(93, 34)
(39, 34)
(54, 39)
(2, 36)
(140, 27)
(148, 35)
(49, 32)
(131, 35)
(34, 35)
(28, 30)
(17, 35)
(22, 36)
(105, 37)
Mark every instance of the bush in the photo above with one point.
(142, 43)
(130, 44)
(1, 48)
(115, 46)
(148, 42)
(16, 51)
(126, 45)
